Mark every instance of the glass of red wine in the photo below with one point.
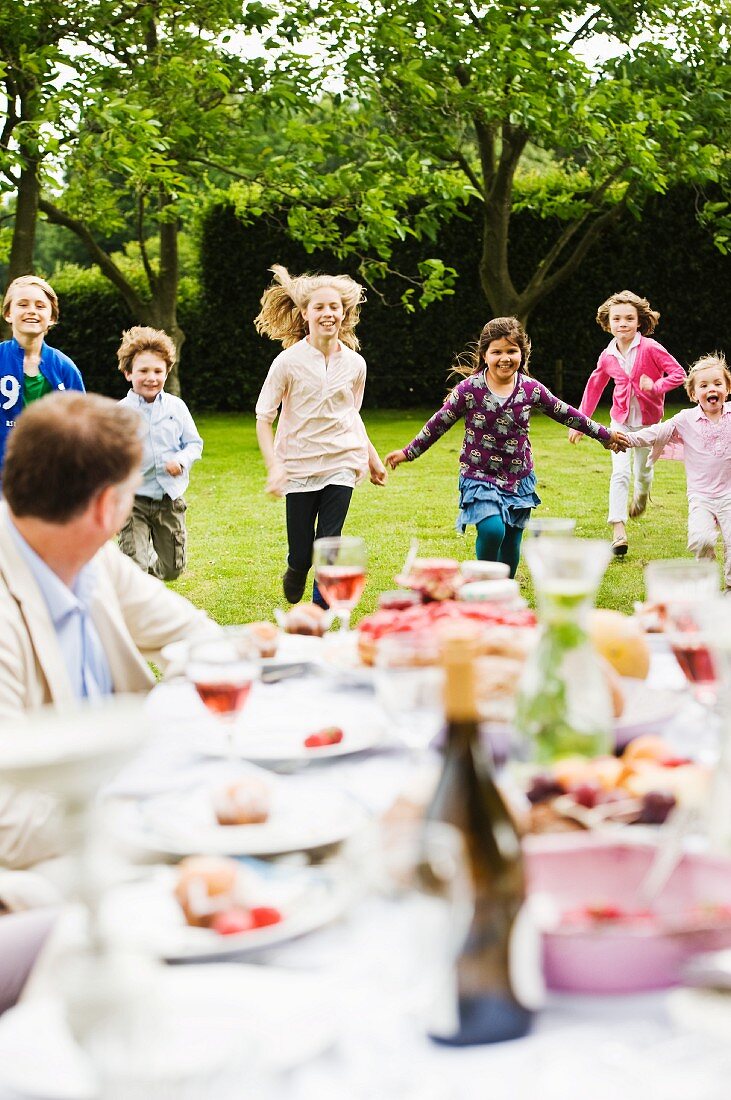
(223, 671)
(340, 571)
(680, 589)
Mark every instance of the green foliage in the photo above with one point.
(666, 256)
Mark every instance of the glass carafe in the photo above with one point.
(564, 705)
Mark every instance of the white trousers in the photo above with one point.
(619, 483)
(706, 516)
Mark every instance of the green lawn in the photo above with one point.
(237, 540)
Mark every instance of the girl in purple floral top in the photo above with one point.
(497, 481)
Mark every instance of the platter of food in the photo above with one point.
(249, 815)
(210, 907)
(639, 787)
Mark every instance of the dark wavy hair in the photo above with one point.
(500, 328)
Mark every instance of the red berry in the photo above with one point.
(262, 915)
(585, 794)
(330, 735)
(231, 921)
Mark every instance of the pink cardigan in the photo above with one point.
(652, 359)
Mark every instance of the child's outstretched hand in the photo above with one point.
(395, 458)
(575, 436)
(377, 470)
(617, 442)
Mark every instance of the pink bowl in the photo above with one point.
(608, 957)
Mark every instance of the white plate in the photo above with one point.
(145, 915)
(291, 647)
(183, 824)
(284, 1016)
(285, 745)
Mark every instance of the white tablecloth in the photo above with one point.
(597, 1047)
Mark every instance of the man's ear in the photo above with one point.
(104, 507)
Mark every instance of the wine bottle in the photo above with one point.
(498, 980)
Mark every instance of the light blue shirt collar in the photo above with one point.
(68, 608)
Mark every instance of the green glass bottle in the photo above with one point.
(500, 947)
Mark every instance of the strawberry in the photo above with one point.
(229, 922)
(330, 735)
(263, 915)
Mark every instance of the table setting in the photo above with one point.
(256, 908)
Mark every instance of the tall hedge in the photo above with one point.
(666, 257)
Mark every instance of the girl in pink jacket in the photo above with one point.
(642, 372)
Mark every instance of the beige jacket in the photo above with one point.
(134, 614)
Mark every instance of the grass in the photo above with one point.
(237, 540)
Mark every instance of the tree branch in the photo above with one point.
(96, 252)
(539, 287)
(140, 221)
(584, 27)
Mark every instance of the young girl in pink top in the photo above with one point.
(321, 449)
(642, 372)
(705, 435)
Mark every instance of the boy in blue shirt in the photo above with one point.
(171, 444)
(29, 367)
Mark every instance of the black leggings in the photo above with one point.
(313, 516)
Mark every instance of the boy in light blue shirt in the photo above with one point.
(154, 535)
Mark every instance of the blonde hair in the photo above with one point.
(140, 338)
(283, 302)
(647, 318)
(718, 360)
(509, 328)
(32, 280)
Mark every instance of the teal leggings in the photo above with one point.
(498, 541)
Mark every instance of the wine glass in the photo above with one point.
(340, 571)
(409, 685)
(680, 588)
(223, 671)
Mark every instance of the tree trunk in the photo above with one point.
(24, 229)
(161, 310)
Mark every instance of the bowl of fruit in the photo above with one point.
(598, 937)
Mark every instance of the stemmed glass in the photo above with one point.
(409, 685)
(680, 588)
(340, 571)
(223, 671)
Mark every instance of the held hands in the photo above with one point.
(276, 480)
(174, 468)
(617, 442)
(395, 458)
(646, 383)
(575, 436)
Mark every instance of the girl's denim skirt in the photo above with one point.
(480, 499)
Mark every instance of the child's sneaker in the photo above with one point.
(293, 584)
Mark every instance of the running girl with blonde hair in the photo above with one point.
(642, 372)
(315, 385)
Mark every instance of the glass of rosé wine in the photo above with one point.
(223, 671)
(680, 589)
(340, 571)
